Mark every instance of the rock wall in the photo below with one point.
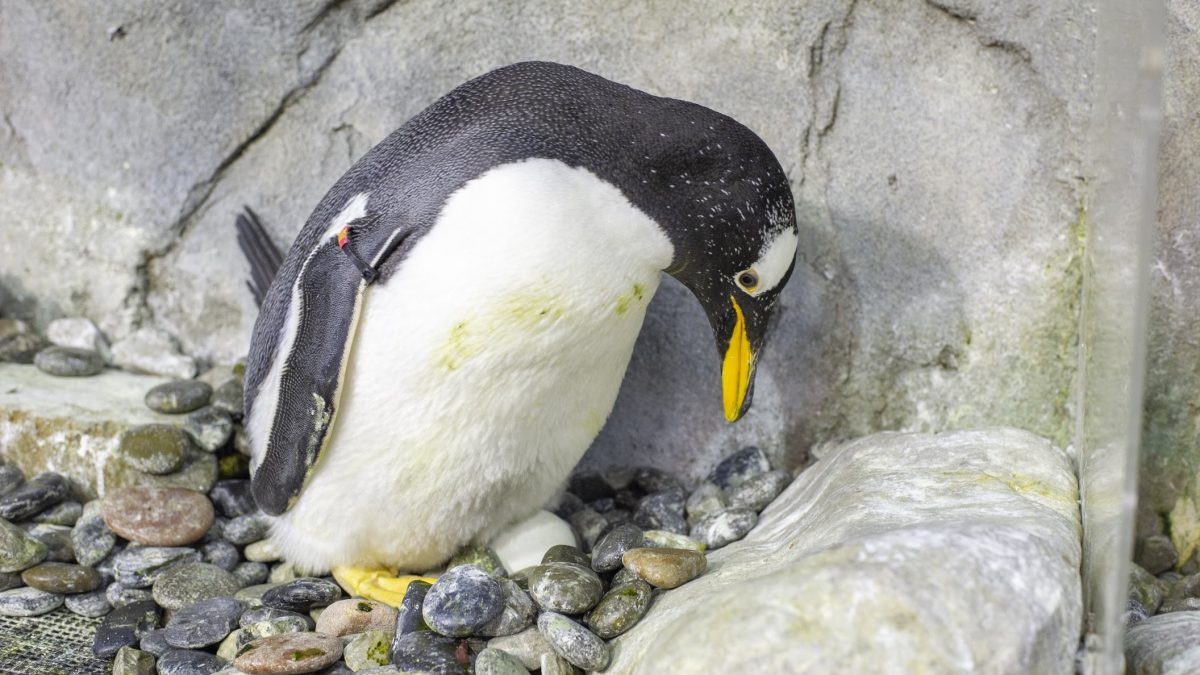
(934, 148)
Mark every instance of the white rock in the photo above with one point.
(1165, 644)
(152, 351)
(79, 333)
(523, 544)
(956, 552)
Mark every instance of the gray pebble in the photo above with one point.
(589, 486)
(92, 605)
(90, 538)
(1179, 605)
(565, 504)
(69, 362)
(123, 627)
(10, 580)
(565, 587)
(662, 511)
(739, 467)
(250, 573)
(11, 478)
(620, 608)
(140, 567)
(259, 614)
(301, 595)
(425, 650)
(179, 396)
(409, 617)
(590, 525)
(247, 529)
(1155, 553)
(252, 595)
(28, 602)
(204, 623)
(209, 428)
(724, 527)
(120, 595)
(463, 600)
(233, 497)
(518, 614)
(57, 540)
(567, 554)
(156, 449)
(229, 398)
(758, 492)
(495, 662)
(130, 661)
(40, 493)
(155, 642)
(528, 647)
(606, 554)
(188, 662)
(480, 556)
(222, 554)
(189, 583)
(573, 642)
(652, 481)
(18, 550)
(65, 513)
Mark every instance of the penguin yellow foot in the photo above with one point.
(376, 583)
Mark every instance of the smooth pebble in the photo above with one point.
(620, 608)
(462, 600)
(574, 642)
(347, 617)
(179, 396)
(289, 653)
(189, 583)
(27, 601)
(69, 362)
(565, 587)
(724, 527)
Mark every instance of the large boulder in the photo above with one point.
(896, 553)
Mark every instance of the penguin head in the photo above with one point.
(729, 213)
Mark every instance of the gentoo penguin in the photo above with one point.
(449, 330)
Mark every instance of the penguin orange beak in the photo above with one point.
(737, 368)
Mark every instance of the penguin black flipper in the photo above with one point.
(260, 252)
(326, 297)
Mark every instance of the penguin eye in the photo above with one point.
(748, 280)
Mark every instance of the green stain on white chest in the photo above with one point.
(507, 323)
(635, 295)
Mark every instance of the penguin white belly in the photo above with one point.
(481, 370)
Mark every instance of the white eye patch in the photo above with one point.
(771, 265)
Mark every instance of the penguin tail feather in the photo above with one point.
(260, 252)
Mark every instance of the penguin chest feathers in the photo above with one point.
(482, 369)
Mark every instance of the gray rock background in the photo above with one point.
(934, 149)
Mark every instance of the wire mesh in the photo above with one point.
(59, 643)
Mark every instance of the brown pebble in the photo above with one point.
(158, 516)
(289, 653)
(347, 617)
(57, 577)
(665, 567)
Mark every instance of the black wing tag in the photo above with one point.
(326, 300)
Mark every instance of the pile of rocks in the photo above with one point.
(1163, 613)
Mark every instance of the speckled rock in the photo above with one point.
(57, 539)
(567, 554)
(233, 498)
(1156, 553)
(346, 617)
(28, 602)
(705, 500)
(480, 556)
(1179, 605)
(263, 551)
(155, 449)
(209, 428)
(724, 527)
(69, 362)
(179, 396)
(56, 577)
(409, 615)
(1164, 644)
(523, 544)
(493, 661)
(188, 662)
(518, 614)
(90, 537)
(252, 595)
(65, 513)
(41, 492)
(528, 646)
(463, 600)
(158, 516)
(123, 627)
(120, 595)
(425, 650)
(368, 649)
(155, 642)
(564, 587)
(130, 661)
(250, 573)
(222, 554)
(590, 525)
(301, 595)
(255, 615)
(247, 529)
(665, 567)
(203, 623)
(620, 608)
(228, 396)
(739, 467)
(18, 550)
(574, 642)
(92, 605)
(290, 653)
(606, 554)
(189, 583)
(757, 492)
(1147, 589)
